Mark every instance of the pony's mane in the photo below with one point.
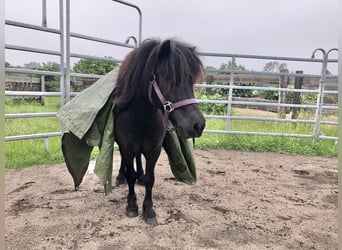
(175, 61)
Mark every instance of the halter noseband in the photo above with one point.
(167, 105)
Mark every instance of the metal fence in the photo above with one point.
(59, 33)
(319, 107)
(67, 36)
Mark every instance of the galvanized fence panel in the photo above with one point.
(72, 35)
(60, 53)
(65, 54)
(319, 107)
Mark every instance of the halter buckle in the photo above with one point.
(168, 106)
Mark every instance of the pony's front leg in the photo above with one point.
(132, 207)
(148, 212)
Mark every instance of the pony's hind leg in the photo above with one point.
(148, 212)
(121, 178)
(140, 171)
(132, 207)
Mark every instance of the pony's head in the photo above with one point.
(176, 67)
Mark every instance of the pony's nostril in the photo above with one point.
(198, 127)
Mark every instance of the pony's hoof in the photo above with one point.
(150, 221)
(150, 216)
(141, 182)
(131, 212)
(120, 181)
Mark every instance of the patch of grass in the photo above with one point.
(257, 143)
(32, 152)
(23, 153)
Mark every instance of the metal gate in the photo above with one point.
(232, 84)
(66, 37)
(59, 33)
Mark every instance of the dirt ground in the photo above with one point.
(241, 200)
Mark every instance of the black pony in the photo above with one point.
(155, 83)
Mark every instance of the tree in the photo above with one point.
(236, 92)
(274, 66)
(228, 66)
(94, 66)
(48, 66)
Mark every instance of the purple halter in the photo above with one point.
(167, 105)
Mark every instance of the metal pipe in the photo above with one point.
(320, 97)
(62, 58)
(32, 71)
(30, 115)
(32, 136)
(34, 50)
(221, 86)
(85, 75)
(140, 16)
(100, 40)
(31, 26)
(68, 64)
(31, 93)
(280, 58)
(259, 133)
(230, 94)
(44, 15)
(108, 59)
(134, 40)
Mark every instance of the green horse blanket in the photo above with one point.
(90, 122)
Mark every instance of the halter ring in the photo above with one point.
(168, 106)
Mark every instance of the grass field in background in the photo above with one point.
(32, 152)
(257, 143)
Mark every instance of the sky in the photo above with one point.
(292, 28)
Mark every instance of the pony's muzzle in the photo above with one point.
(198, 128)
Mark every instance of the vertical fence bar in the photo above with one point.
(44, 14)
(46, 143)
(296, 95)
(67, 70)
(230, 94)
(320, 96)
(283, 83)
(62, 57)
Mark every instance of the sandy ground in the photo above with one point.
(240, 201)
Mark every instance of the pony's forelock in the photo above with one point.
(180, 65)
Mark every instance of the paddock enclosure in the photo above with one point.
(218, 91)
(242, 200)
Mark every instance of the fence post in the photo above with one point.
(230, 94)
(283, 82)
(321, 88)
(296, 95)
(42, 88)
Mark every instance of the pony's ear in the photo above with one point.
(165, 50)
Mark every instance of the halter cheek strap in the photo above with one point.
(167, 105)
